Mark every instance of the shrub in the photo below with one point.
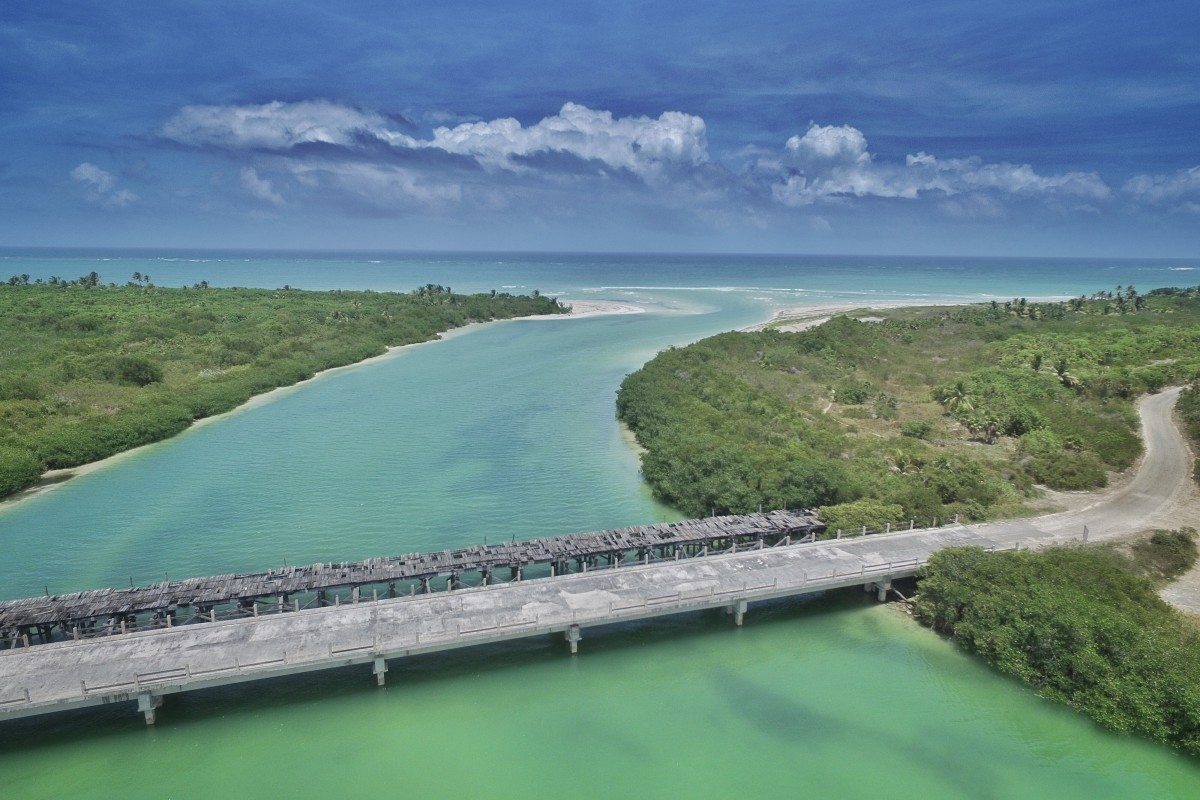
(917, 429)
(138, 371)
(1165, 555)
(18, 468)
(1021, 421)
(1046, 458)
(853, 393)
(853, 516)
(19, 387)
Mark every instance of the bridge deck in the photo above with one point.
(149, 664)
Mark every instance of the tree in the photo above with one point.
(139, 371)
(957, 399)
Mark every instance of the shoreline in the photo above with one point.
(54, 478)
(802, 317)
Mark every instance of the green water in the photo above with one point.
(508, 431)
(834, 699)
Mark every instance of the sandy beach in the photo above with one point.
(798, 318)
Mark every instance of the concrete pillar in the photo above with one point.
(147, 703)
(868, 587)
(379, 670)
(573, 638)
(882, 590)
(739, 611)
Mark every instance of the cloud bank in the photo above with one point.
(377, 159)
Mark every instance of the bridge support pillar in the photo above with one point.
(147, 703)
(739, 612)
(882, 589)
(379, 670)
(573, 636)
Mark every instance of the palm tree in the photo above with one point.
(957, 399)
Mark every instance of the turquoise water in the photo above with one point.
(508, 430)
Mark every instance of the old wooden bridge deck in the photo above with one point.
(144, 666)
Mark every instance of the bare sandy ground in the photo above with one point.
(799, 318)
(57, 477)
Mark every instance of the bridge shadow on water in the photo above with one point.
(355, 683)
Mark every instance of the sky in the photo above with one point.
(951, 128)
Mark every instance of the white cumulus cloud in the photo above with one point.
(259, 187)
(101, 186)
(833, 162)
(643, 145)
(278, 126)
(831, 142)
(1182, 187)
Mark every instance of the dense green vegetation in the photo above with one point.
(88, 370)
(1189, 410)
(928, 413)
(1081, 626)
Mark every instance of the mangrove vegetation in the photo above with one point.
(89, 369)
(917, 413)
(1082, 625)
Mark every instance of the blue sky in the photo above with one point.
(1060, 128)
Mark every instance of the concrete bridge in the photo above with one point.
(147, 665)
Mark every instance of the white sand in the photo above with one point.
(596, 308)
(800, 318)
